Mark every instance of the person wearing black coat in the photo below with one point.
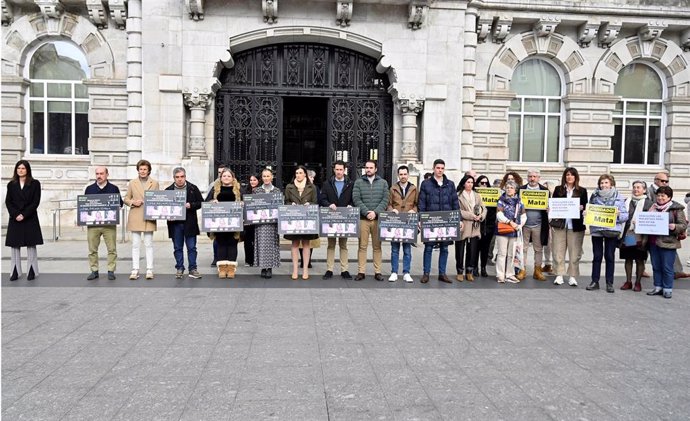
(487, 227)
(185, 232)
(337, 192)
(23, 229)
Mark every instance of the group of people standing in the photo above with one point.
(500, 230)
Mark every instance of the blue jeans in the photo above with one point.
(179, 241)
(605, 248)
(662, 265)
(442, 258)
(395, 256)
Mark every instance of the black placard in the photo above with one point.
(401, 227)
(167, 205)
(262, 208)
(222, 217)
(339, 222)
(98, 209)
(298, 219)
(440, 226)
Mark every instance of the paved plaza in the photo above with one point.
(252, 349)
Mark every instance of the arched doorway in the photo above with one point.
(289, 104)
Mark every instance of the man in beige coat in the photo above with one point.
(136, 223)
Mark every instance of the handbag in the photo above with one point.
(630, 240)
(504, 228)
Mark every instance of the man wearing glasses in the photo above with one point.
(662, 179)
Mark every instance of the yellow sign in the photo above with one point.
(489, 196)
(535, 199)
(601, 216)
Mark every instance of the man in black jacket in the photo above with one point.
(337, 192)
(185, 232)
(108, 232)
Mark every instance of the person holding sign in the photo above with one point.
(266, 239)
(633, 249)
(511, 217)
(136, 221)
(402, 198)
(370, 195)
(473, 212)
(300, 192)
(337, 192)
(226, 189)
(252, 183)
(605, 229)
(23, 229)
(487, 228)
(184, 232)
(437, 193)
(536, 228)
(663, 248)
(108, 232)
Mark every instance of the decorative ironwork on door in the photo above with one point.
(249, 106)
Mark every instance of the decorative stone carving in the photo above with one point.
(7, 13)
(483, 28)
(195, 9)
(118, 11)
(546, 26)
(97, 13)
(417, 12)
(608, 33)
(501, 29)
(651, 31)
(50, 8)
(270, 9)
(586, 33)
(410, 106)
(343, 13)
(198, 100)
(685, 40)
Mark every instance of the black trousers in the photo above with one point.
(227, 246)
(249, 245)
(466, 254)
(485, 248)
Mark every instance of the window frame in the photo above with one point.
(73, 100)
(623, 116)
(546, 114)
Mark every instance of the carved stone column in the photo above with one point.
(197, 101)
(410, 106)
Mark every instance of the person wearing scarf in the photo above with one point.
(511, 211)
(634, 251)
(473, 212)
(605, 240)
(663, 248)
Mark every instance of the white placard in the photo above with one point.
(652, 223)
(564, 208)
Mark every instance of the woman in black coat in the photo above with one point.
(23, 229)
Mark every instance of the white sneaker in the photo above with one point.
(572, 282)
(558, 280)
(393, 277)
(149, 274)
(407, 278)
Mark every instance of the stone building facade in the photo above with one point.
(491, 85)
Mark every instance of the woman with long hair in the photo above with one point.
(252, 183)
(487, 227)
(23, 228)
(633, 247)
(568, 234)
(301, 191)
(473, 214)
(136, 221)
(226, 189)
(266, 239)
(605, 240)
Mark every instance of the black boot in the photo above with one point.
(269, 273)
(31, 275)
(609, 288)
(484, 273)
(592, 286)
(263, 273)
(14, 275)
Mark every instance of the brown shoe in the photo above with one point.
(521, 275)
(547, 269)
(425, 278)
(360, 277)
(444, 278)
(469, 277)
(627, 285)
(378, 277)
(460, 277)
(538, 275)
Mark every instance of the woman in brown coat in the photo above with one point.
(473, 213)
(136, 223)
(300, 192)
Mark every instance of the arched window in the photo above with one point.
(637, 118)
(535, 115)
(58, 100)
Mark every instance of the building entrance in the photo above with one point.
(290, 104)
